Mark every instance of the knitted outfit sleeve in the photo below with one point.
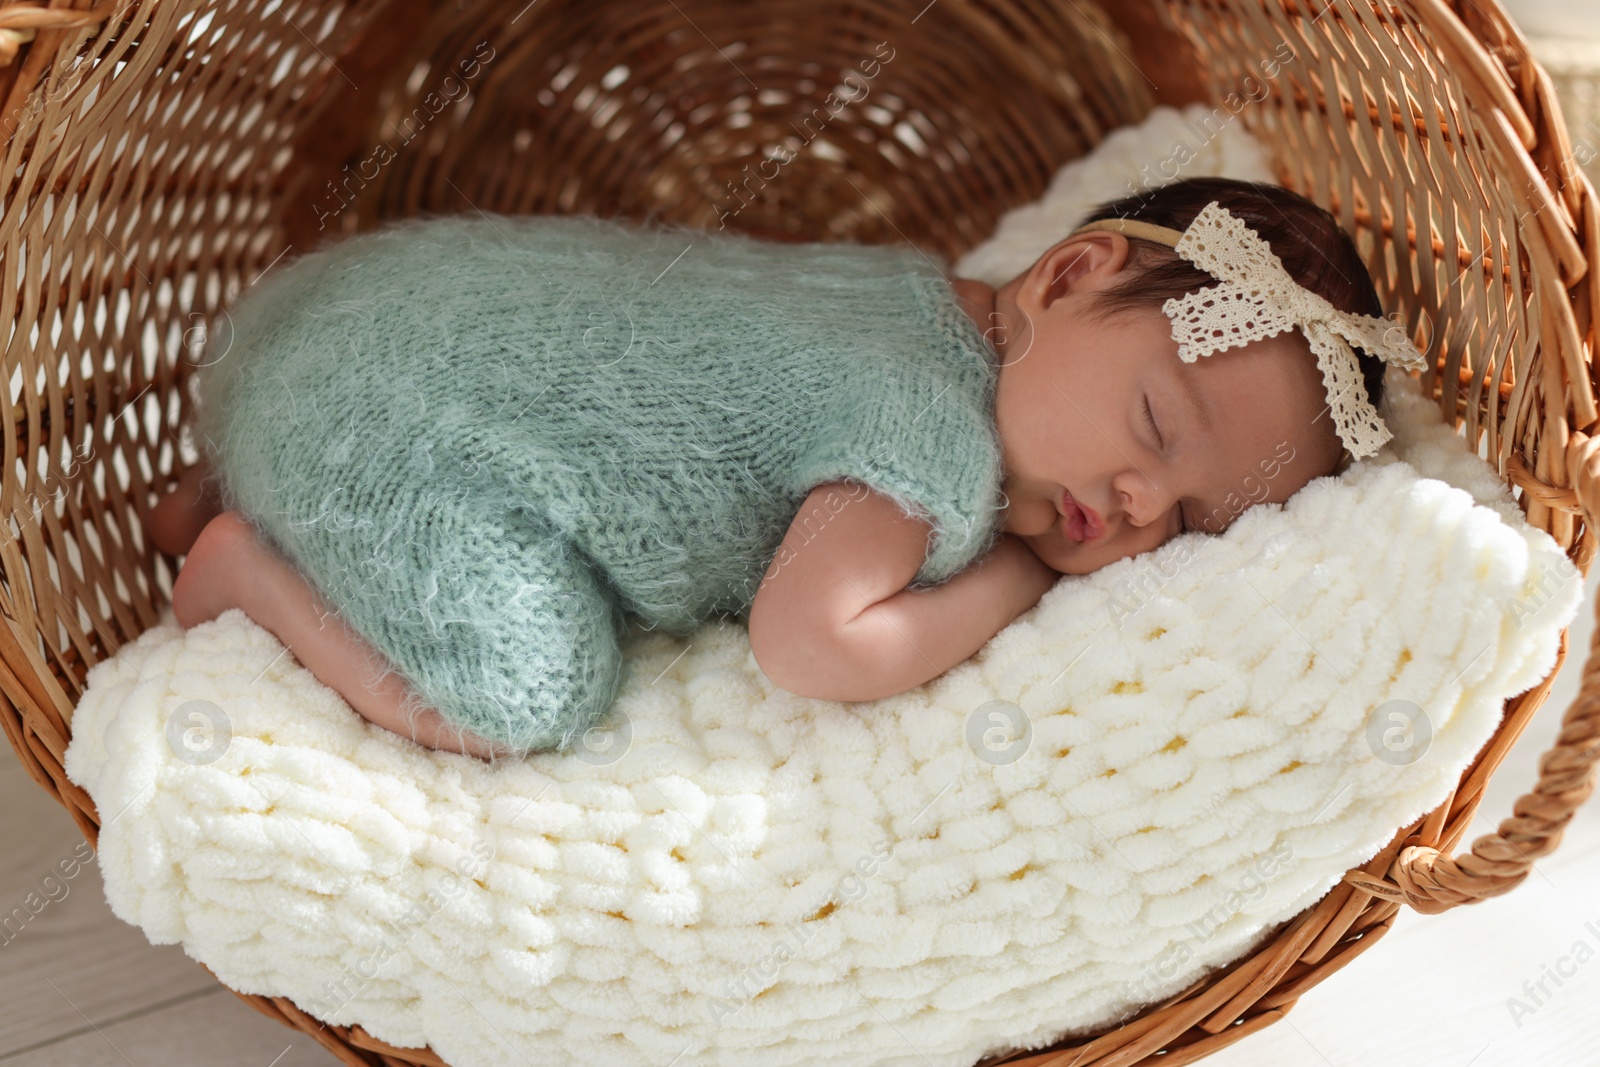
(922, 432)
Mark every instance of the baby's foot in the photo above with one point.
(207, 581)
(177, 519)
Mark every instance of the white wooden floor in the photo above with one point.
(79, 988)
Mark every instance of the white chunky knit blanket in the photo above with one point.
(1132, 784)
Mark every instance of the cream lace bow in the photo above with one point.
(1258, 299)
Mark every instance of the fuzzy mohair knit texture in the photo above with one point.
(484, 439)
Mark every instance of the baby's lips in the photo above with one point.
(1073, 522)
(1075, 519)
(1081, 523)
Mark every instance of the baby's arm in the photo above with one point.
(833, 618)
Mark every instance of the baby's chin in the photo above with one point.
(1065, 556)
(1058, 553)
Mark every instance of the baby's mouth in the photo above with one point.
(1077, 522)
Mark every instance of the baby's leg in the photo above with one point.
(490, 614)
(228, 566)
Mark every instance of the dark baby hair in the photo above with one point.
(1314, 248)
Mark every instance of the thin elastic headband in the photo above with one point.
(1133, 228)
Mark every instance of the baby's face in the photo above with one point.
(1235, 428)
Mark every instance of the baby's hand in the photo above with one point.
(947, 623)
(835, 620)
(1033, 573)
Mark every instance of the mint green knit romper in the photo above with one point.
(488, 440)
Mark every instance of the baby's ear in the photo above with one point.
(1091, 259)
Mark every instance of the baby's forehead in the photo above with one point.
(1270, 399)
(1282, 365)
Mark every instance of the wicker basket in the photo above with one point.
(1574, 68)
(164, 154)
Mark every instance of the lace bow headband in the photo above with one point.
(1258, 299)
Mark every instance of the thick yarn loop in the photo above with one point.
(1498, 863)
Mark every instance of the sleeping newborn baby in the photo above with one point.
(445, 461)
